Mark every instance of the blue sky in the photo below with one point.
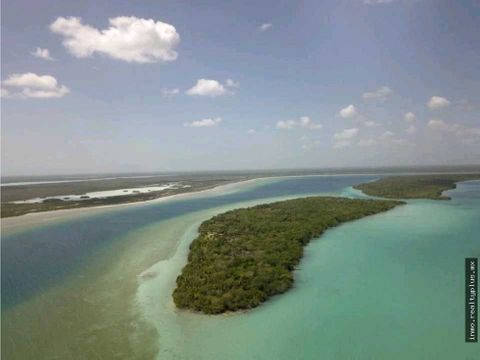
(190, 85)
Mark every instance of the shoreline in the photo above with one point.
(13, 224)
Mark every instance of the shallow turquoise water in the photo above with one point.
(388, 286)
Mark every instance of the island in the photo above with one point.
(414, 186)
(245, 256)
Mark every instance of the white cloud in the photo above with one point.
(42, 54)
(265, 27)
(381, 94)
(251, 131)
(286, 124)
(31, 80)
(207, 87)
(303, 122)
(440, 125)
(231, 83)
(348, 112)
(31, 85)
(204, 122)
(437, 102)
(411, 130)
(170, 92)
(45, 94)
(409, 117)
(343, 139)
(128, 38)
(370, 123)
(346, 134)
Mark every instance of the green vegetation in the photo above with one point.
(196, 181)
(244, 256)
(414, 186)
(10, 209)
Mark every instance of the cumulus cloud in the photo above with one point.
(436, 124)
(251, 131)
(30, 85)
(42, 54)
(370, 123)
(411, 130)
(348, 112)
(381, 94)
(207, 87)
(170, 92)
(265, 27)
(437, 102)
(204, 122)
(304, 122)
(346, 134)
(128, 38)
(344, 137)
(409, 117)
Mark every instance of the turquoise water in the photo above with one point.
(41, 257)
(389, 286)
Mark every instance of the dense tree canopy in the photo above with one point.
(244, 256)
(414, 186)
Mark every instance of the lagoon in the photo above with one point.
(386, 286)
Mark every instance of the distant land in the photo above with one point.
(23, 199)
(415, 186)
(27, 194)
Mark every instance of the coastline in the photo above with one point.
(13, 224)
(23, 222)
(118, 296)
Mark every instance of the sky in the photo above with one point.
(139, 86)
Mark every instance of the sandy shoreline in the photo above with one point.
(22, 222)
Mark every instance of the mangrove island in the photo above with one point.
(244, 256)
